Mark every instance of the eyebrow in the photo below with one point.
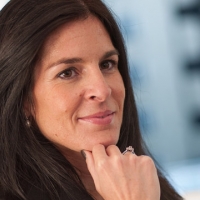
(79, 60)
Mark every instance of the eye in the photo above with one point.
(68, 73)
(108, 65)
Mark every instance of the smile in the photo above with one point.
(101, 118)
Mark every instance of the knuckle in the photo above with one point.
(101, 165)
(132, 158)
(117, 160)
(147, 161)
(111, 147)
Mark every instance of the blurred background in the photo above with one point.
(163, 43)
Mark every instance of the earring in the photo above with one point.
(28, 123)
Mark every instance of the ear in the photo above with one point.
(28, 107)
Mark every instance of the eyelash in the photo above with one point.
(73, 71)
(113, 63)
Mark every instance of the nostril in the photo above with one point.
(98, 90)
(92, 97)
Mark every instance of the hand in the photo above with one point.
(122, 177)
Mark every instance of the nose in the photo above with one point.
(97, 87)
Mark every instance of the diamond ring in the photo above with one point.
(129, 149)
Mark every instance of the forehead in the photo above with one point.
(73, 31)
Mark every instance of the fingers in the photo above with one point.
(128, 154)
(137, 174)
(112, 150)
(99, 152)
(129, 149)
(101, 157)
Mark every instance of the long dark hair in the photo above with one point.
(28, 159)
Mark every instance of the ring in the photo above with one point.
(129, 149)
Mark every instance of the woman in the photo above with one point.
(67, 107)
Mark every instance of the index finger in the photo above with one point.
(99, 152)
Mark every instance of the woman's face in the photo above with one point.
(78, 91)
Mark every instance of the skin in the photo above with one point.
(77, 77)
(117, 176)
(78, 97)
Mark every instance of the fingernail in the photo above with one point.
(83, 154)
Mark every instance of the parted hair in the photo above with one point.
(30, 162)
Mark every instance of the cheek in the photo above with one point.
(51, 97)
(119, 89)
(55, 106)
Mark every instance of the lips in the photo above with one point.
(100, 118)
